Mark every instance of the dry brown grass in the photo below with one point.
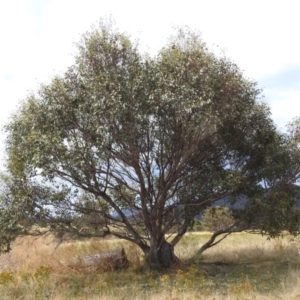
(244, 266)
(242, 247)
(31, 253)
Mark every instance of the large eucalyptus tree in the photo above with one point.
(137, 146)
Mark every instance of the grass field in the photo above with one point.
(243, 266)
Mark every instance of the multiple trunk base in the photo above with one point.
(162, 258)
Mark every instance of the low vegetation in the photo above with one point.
(243, 266)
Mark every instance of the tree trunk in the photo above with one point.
(166, 255)
(161, 256)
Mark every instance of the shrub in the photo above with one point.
(216, 218)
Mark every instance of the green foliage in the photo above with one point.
(13, 221)
(162, 137)
(217, 217)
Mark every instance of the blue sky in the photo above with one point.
(38, 36)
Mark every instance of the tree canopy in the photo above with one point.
(137, 146)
